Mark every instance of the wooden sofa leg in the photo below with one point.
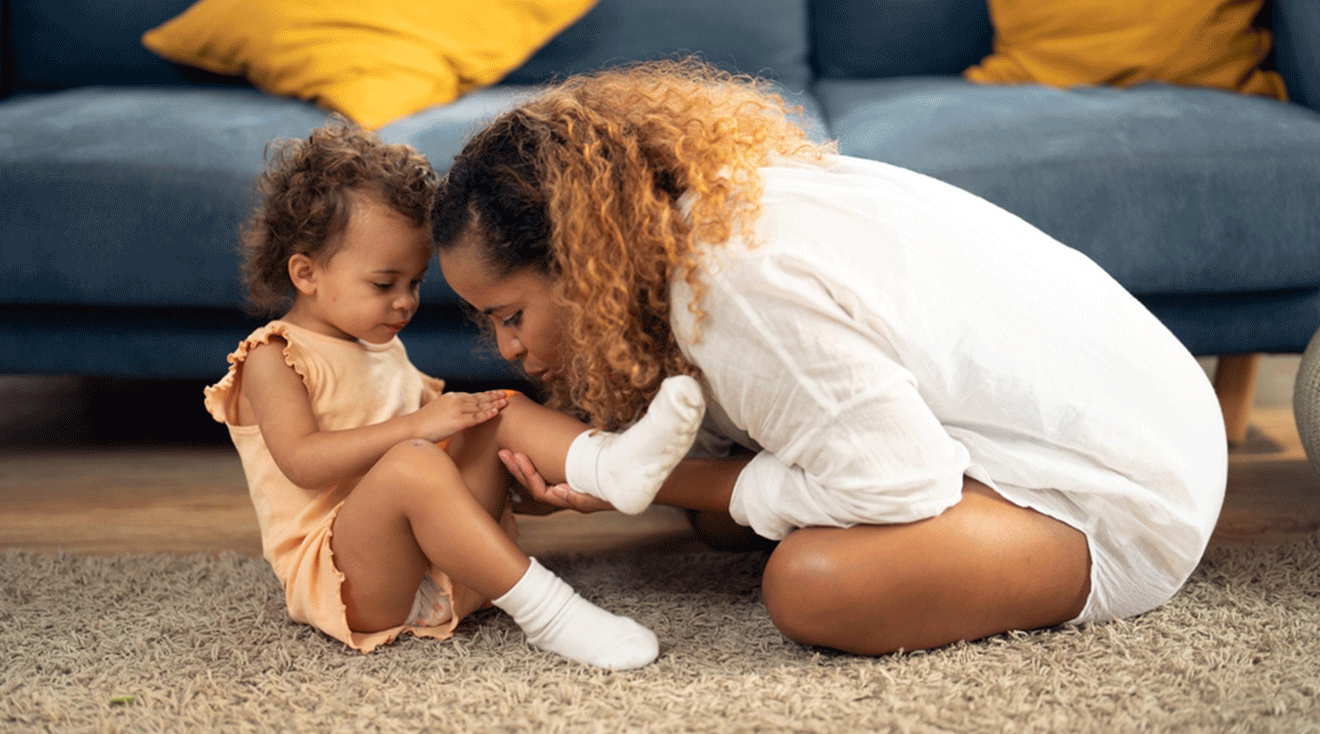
(1235, 384)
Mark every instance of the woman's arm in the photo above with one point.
(700, 486)
(315, 459)
(847, 437)
(695, 484)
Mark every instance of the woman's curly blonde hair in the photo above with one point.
(307, 196)
(583, 184)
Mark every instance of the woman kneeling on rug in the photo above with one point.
(957, 425)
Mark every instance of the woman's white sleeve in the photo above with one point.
(847, 436)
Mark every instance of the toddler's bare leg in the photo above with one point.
(413, 511)
(476, 452)
(410, 509)
(543, 434)
(628, 468)
(524, 426)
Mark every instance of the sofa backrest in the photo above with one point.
(57, 44)
(1296, 25)
(882, 38)
(764, 37)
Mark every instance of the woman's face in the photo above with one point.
(528, 324)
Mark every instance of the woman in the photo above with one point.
(956, 425)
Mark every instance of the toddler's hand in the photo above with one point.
(452, 412)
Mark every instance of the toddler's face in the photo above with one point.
(368, 289)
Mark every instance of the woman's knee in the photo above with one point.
(808, 591)
(784, 589)
(982, 567)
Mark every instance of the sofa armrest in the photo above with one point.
(1297, 49)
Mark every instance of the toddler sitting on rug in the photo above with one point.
(371, 526)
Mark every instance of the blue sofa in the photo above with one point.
(124, 178)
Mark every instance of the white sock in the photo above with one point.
(628, 468)
(558, 619)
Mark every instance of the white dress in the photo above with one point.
(888, 333)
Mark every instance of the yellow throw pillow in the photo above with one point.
(372, 60)
(1203, 43)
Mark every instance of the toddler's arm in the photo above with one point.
(313, 458)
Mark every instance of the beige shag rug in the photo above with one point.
(201, 643)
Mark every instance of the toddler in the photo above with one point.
(382, 502)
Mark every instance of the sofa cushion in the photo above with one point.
(1203, 43)
(127, 196)
(1170, 189)
(134, 196)
(440, 132)
(882, 38)
(373, 62)
(764, 37)
(57, 44)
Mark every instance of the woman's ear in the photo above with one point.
(302, 271)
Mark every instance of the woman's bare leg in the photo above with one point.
(983, 567)
(719, 531)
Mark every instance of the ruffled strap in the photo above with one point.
(222, 398)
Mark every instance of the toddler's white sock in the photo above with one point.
(628, 468)
(558, 619)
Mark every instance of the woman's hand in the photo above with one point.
(559, 495)
(452, 412)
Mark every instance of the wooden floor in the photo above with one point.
(107, 466)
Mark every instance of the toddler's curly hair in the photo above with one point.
(307, 196)
(587, 183)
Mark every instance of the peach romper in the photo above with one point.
(351, 384)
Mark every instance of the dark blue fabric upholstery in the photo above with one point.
(124, 179)
(1240, 323)
(133, 195)
(157, 181)
(1170, 189)
(1297, 49)
(764, 37)
(57, 44)
(883, 38)
(192, 343)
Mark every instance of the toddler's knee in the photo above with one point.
(409, 451)
(411, 460)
